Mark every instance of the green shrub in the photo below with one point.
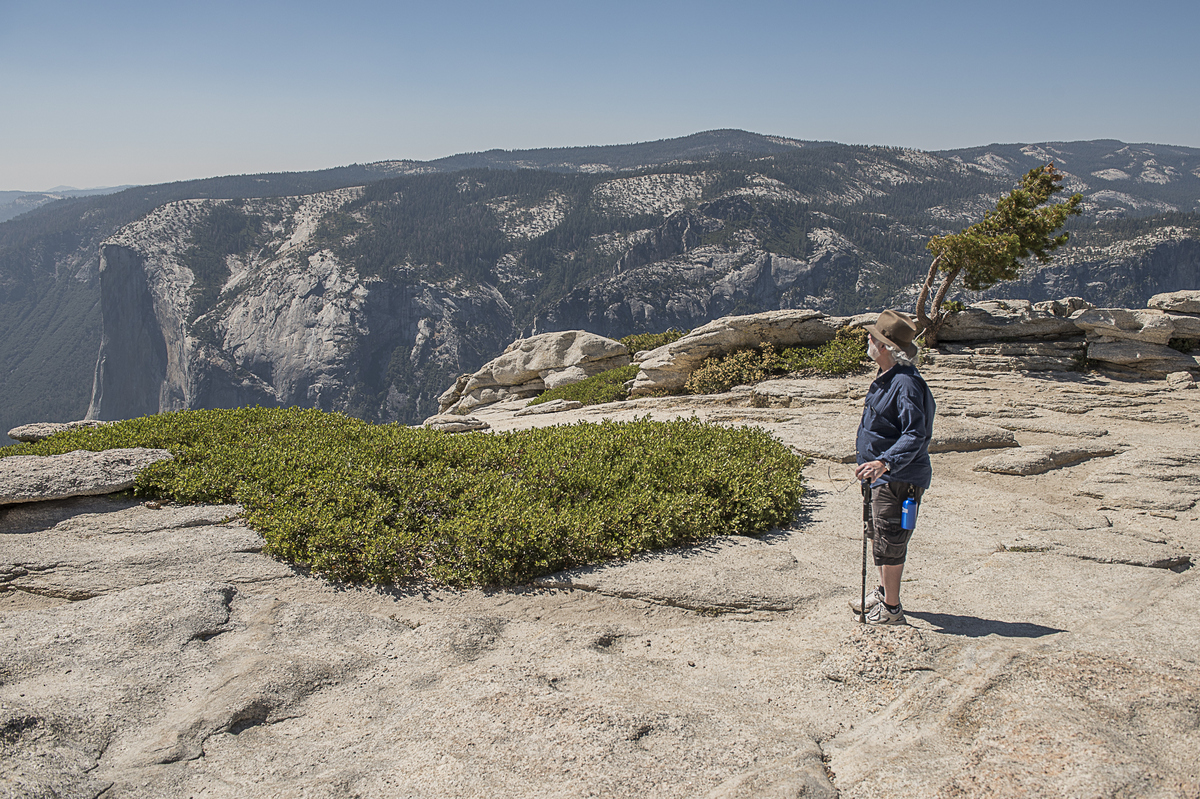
(740, 368)
(361, 502)
(651, 341)
(843, 355)
(605, 387)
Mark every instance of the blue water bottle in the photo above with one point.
(908, 513)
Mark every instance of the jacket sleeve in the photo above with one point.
(910, 408)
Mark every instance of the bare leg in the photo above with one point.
(889, 578)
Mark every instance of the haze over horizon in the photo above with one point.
(133, 92)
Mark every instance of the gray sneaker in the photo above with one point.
(874, 598)
(881, 615)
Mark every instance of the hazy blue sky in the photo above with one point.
(105, 93)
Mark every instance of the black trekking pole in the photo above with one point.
(866, 492)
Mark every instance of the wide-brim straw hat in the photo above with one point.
(897, 330)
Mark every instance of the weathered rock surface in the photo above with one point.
(995, 336)
(799, 775)
(142, 546)
(1148, 326)
(1011, 356)
(455, 423)
(961, 435)
(530, 366)
(32, 478)
(1187, 326)
(786, 393)
(667, 368)
(539, 356)
(552, 406)
(1181, 380)
(824, 432)
(1065, 307)
(1039, 459)
(1151, 359)
(1176, 418)
(1179, 302)
(1042, 725)
(1005, 320)
(1057, 427)
(40, 430)
(1163, 477)
(726, 574)
(1102, 546)
(198, 666)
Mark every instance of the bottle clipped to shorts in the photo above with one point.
(908, 512)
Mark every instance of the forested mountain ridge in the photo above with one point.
(608, 158)
(15, 203)
(394, 285)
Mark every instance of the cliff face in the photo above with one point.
(674, 280)
(131, 371)
(290, 325)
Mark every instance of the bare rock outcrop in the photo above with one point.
(1042, 725)
(34, 478)
(1138, 339)
(1010, 356)
(1181, 380)
(1146, 325)
(667, 368)
(732, 573)
(112, 545)
(530, 366)
(1040, 459)
(1068, 335)
(1051, 426)
(154, 650)
(455, 423)
(1179, 302)
(1009, 320)
(992, 336)
(1138, 356)
(553, 406)
(41, 430)
(1102, 545)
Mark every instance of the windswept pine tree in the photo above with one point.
(1022, 225)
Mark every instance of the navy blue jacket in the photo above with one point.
(897, 424)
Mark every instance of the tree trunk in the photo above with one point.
(922, 317)
(934, 324)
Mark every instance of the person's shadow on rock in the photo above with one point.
(975, 627)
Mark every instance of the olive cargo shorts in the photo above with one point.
(889, 539)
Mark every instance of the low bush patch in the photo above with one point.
(387, 503)
(650, 341)
(845, 354)
(605, 387)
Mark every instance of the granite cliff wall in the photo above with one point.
(291, 323)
